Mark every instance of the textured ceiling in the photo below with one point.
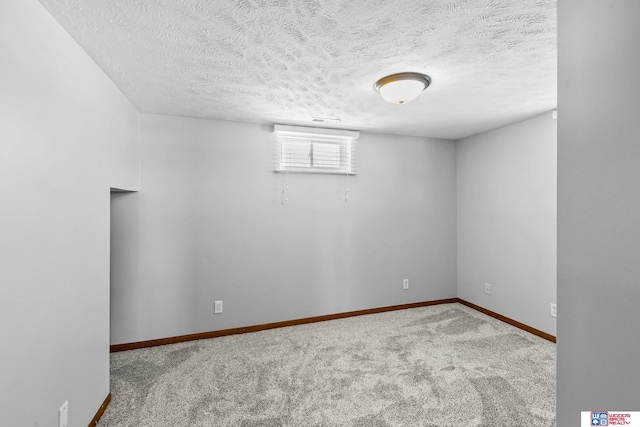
(492, 62)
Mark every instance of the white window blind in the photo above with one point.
(315, 150)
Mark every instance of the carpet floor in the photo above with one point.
(443, 365)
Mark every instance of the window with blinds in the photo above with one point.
(315, 150)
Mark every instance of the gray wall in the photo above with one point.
(598, 207)
(208, 224)
(66, 135)
(507, 220)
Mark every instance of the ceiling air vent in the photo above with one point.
(325, 120)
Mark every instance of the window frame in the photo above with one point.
(296, 144)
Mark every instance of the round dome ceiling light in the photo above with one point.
(402, 87)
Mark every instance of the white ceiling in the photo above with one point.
(492, 62)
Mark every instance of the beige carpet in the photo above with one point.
(445, 365)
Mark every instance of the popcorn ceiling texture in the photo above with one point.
(492, 62)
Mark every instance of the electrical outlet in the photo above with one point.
(487, 288)
(405, 284)
(217, 307)
(554, 310)
(63, 415)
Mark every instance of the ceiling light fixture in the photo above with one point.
(402, 87)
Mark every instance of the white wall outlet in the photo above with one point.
(405, 284)
(487, 288)
(554, 310)
(217, 307)
(63, 415)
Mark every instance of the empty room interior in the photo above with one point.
(179, 170)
